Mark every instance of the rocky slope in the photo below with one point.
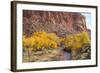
(61, 23)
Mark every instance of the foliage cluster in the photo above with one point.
(41, 40)
(76, 41)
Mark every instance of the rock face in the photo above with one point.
(61, 23)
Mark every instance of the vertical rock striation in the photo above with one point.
(61, 23)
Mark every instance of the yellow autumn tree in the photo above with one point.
(85, 38)
(41, 40)
(77, 44)
(54, 37)
(68, 41)
(76, 41)
(45, 40)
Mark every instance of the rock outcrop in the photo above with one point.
(61, 23)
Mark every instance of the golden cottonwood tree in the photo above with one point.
(41, 40)
(76, 41)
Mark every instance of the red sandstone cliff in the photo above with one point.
(62, 23)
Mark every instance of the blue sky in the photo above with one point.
(88, 19)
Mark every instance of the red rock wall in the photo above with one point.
(61, 23)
